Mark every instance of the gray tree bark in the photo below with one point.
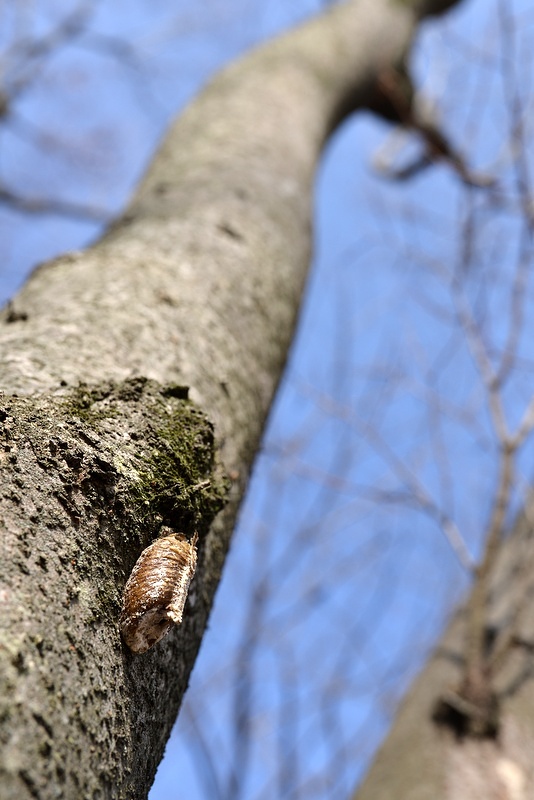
(136, 379)
(422, 758)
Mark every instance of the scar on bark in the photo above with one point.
(471, 711)
(473, 708)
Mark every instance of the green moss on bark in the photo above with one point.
(168, 458)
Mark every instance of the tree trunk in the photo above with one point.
(104, 444)
(429, 753)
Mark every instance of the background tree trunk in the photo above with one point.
(197, 286)
(422, 758)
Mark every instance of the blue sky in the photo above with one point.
(337, 583)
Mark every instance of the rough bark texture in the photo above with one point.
(88, 477)
(421, 759)
(196, 287)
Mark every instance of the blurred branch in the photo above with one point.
(202, 754)
(413, 486)
(396, 100)
(243, 688)
(64, 208)
(22, 61)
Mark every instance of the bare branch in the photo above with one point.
(43, 206)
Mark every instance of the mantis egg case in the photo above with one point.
(156, 591)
